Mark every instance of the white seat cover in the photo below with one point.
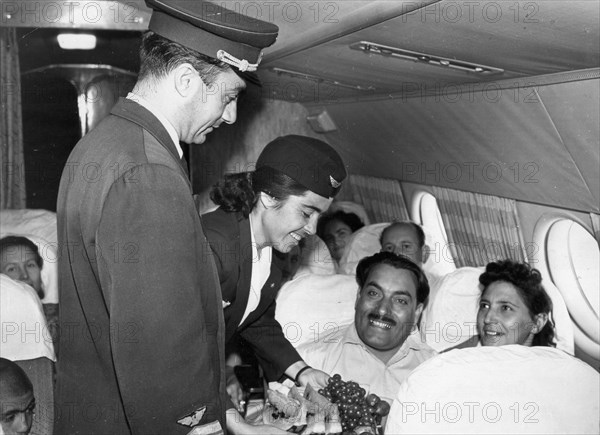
(498, 390)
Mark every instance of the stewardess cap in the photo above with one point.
(213, 31)
(310, 162)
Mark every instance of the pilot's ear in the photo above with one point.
(539, 321)
(185, 79)
(425, 255)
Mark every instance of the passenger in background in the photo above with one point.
(514, 307)
(382, 347)
(270, 209)
(405, 238)
(17, 402)
(335, 229)
(20, 260)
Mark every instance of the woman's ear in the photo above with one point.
(267, 200)
(539, 321)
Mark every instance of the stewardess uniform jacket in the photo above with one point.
(230, 239)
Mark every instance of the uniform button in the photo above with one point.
(272, 284)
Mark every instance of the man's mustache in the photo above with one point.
(377, 317)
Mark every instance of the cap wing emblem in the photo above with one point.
(335, 184)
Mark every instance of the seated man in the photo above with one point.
(335, 229)
(17, 403)
(382, 346)
(405, 238)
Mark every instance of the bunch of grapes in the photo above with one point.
(355, 406)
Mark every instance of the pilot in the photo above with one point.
(382, 346)
(142, 304)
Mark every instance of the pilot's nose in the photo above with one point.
(20, 423)
(230, 112)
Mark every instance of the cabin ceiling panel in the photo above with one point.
(508, 147)
(522, 38)
(575, 111)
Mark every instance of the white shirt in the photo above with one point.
(343, 352)
(261, 269)
(163, 120)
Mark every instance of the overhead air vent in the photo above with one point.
(399, 53)
(318, 79)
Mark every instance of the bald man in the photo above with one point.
(17, 403)
(405, 238)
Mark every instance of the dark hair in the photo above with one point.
(159, 56)
(10, 241)
(13, 378)
(239, 192)
(416, 227)
(399, 262)
(350, 219)
(528, 282)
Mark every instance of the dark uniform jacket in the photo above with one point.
(142, 332)
(230, 240)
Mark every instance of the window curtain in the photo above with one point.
(12, 180)
(596, 225)
(480, 228)
(382, 198)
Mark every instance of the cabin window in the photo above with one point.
(573, 256)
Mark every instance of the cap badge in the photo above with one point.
(334, 184)
(243, 65)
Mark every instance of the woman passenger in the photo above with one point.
(270, 209)
(514, 307)
(335, 230)
(20, 260)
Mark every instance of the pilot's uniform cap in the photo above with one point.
(213, 31)
(308, 161)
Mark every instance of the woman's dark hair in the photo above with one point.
(399, 262)
(10, 241)
(240, 192)
(350, 219)
(159, 56)
(528, 282)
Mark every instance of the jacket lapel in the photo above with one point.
(244, 252)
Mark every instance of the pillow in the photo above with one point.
(25, 334)
(311, 305)
(498, 390)
(450, 316)
(39, 226)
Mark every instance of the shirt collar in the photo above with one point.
(163, 120)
